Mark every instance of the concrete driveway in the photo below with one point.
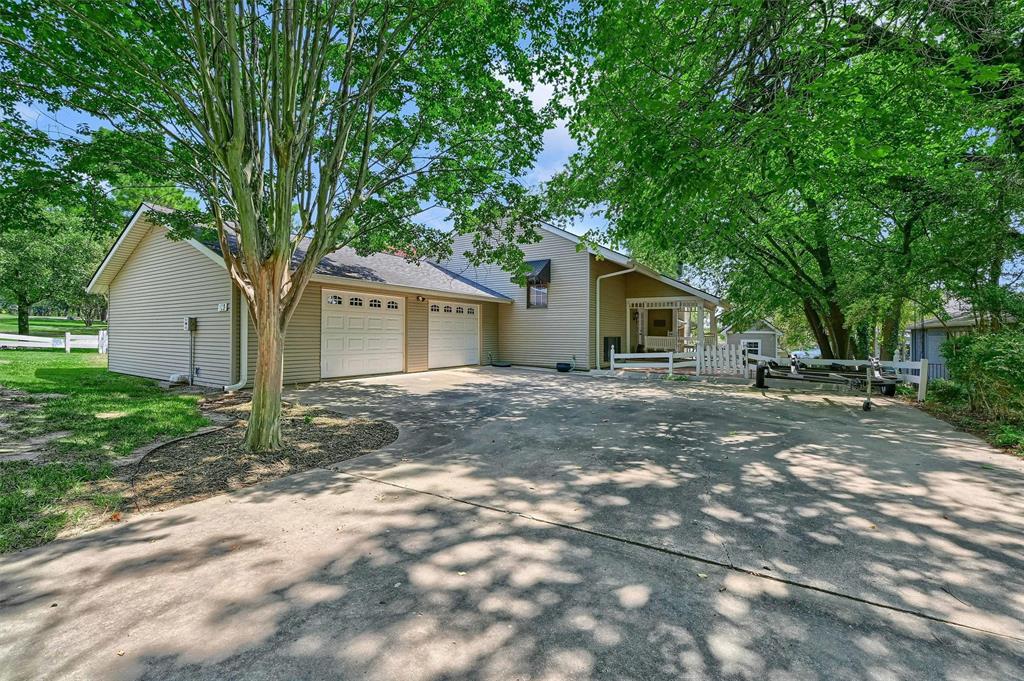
(532, 525)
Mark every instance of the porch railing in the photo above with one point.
(714, 360)
(675, 343)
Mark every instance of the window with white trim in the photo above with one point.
(470, 310)
(435, 308)
(447, 308)
(392, 304)
(355, 302)
(374, 302)
(537, 295)
(335, 300)
(460, 310)
(753, 347)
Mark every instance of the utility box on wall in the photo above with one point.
(191, 324)
(612, 342)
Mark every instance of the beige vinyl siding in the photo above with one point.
(302, 341)
(417, 329)
(641, 286)
(532, 336)
(613, 306)
(160, 283)
(488, 332)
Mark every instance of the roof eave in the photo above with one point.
(343, 281)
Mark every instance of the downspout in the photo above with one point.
(597, 325)
(243, 348)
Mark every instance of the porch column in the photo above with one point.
(675, 328)
(700, 337)
(714, 325)
(629, 323)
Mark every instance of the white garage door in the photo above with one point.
(361, 334)
(454, 335)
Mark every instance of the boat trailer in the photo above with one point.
(866, 377)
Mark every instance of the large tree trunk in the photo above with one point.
(24, 307)
(817, 328)
(891, 335)
(839, 333)
(264, 431)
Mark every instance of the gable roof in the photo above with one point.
(626, 261)
(378, 270)
(137, 227)
(762, 326)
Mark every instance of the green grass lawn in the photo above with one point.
(50, 326)
(105, 414)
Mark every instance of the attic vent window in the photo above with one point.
(393, 305)
(374, 302)
(447, 308)
(355, 302)
(435, 308)
(335, 300)
(460, 310)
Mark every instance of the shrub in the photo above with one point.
(1009, 436)
(945, 392)
(989, 368)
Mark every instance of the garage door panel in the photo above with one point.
(367, 337)
(454, 335)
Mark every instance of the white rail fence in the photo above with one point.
(96, 342)
(714, 360)
(733, 360)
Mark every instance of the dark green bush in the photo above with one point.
(946, 392)
(989, 368)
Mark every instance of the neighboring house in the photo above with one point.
(928, 335)
(382, 314)
(760, 339)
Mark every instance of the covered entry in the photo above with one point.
(454, 335)
(361, 334)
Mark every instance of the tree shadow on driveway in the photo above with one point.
(328, 574)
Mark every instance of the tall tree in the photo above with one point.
(308, 125)
(802, 152)
(63, 201)
(49, 262)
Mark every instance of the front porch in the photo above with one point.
(669, 324)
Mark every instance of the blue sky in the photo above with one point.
(558, 146)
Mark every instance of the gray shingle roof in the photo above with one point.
(393, 270)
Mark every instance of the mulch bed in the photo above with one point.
(198, 467)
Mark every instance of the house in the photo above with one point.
(763, 338)
(928, 335)
(173, 310)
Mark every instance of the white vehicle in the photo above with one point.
(811, 353)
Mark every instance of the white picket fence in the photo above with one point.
(98, 341)
(715, 360)
(722, 360)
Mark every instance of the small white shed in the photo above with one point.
(760, 339)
